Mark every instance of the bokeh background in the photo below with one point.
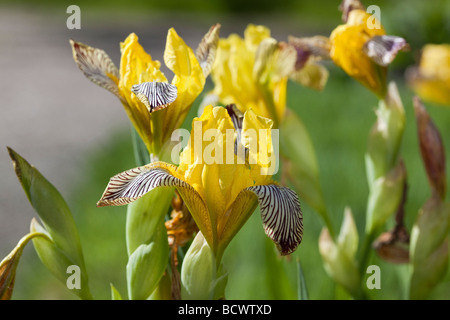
(78, 135)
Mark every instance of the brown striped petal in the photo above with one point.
(348, 5)
(281, 215)
(97, 66)
(383, 49)
(317, 47)
(206, 50)
(133, 184)
(155, 95)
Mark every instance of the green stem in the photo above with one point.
(365, 254)
(156, 127)
(271, 108)
(326, 218)
(366, 250)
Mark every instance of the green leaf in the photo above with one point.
(147, 264)
(278, 281)
(301, 167)
(144, 216)
(302, 290)
(384, 198)
(51, 207)
(115, 295)
(141, 154)
(61, 248)
(56, 261)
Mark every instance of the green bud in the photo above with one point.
(144, 215)
(348, 236)
(385, 136)
(429, 247)
(338, 264)
(199, 279)
(147, 264)
(385, 196)
(8, 266)
(57, 262)
(339, 257)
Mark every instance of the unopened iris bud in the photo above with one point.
(384, 197)
(8, 265)
(146, 265)
(198, 271)
(431, 148)
(429, 249)
(386, 135)
(339, 257)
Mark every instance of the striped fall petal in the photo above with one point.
(206, 50)
(155, 95)
(280, 207)
(281, 215)
(130, 185)
(383, 49)
(97, 66)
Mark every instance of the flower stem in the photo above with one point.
(366, 251)
(326, 218)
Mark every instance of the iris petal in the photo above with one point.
(131, 185)
(281, 215)
(97, 66)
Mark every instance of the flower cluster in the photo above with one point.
(182, 217)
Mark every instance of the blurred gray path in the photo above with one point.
(50, 113)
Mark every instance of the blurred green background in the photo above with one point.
(338, 119)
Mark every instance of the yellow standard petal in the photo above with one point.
(431, 80)
(189, 80)
(256, 136)
(253, 35)
(206, 163)
(251, 72)
(137, 66)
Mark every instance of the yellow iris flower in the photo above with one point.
(220, 185)
(431, 80)
(347, 51)
(249, 76)
(253, 72)
(362, 48)
(138, 67)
